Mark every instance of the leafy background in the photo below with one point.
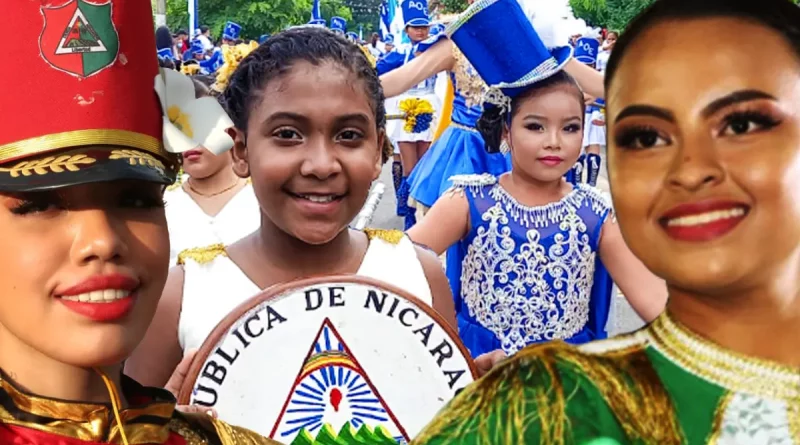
(269, 16)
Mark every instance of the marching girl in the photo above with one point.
(460, 149)
(85, 238)
(212, 205)
(311, 139)
(412, 144)
(594, 132)
(703, 166)
(535, 248)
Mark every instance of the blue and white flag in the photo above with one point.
(194, 18)
(386, 18)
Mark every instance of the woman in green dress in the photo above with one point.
(704, 155)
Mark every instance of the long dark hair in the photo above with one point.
(782, 16)
(494, 119)
(163, 38)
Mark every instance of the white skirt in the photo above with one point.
(593, 134)
(399, 134)
(392, 105)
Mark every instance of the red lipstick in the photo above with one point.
(102, 298)
(551, 161)
(703, 220)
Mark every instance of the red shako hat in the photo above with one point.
(80, 104)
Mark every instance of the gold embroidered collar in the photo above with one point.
(146, 421)
(731, 370)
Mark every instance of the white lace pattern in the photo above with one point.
(525, 292)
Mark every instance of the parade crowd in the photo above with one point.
(167, 182)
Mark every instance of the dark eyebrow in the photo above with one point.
(732, 99)
(645, 110)
(285, 115)
(354, 117)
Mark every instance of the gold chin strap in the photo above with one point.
(115, 403)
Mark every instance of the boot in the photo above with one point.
(575, 175)
(397, 178)
(411, 218)
(593, 168)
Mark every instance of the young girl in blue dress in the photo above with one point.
(535, 251)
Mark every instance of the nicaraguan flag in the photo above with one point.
(194, 18)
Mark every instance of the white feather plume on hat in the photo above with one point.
(553, 21)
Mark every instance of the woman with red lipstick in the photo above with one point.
(85, 243)
(213, 205)
(535, 249)
(703, 163)
(309, 119)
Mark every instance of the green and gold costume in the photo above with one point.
(660, 385)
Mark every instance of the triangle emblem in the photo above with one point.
(333, 398)
(80, 37)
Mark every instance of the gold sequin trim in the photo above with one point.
(719, 417)
(233, 435)
(50, 142)
(183, 429)
(50, 164)
(497, 409)
(202, 255)
(390, 236)
(730, 370)
(467, 81)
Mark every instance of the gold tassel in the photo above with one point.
(495, 407)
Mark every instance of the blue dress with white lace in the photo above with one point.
(529, 274)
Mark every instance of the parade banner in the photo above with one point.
(331, 358)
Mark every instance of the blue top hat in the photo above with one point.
(436, 29)
(388, 38)
(415, 13)
(317, 22)
(166, 53)
(338, 24)
(499, 41)
(586, 49)
(232, 31)
(263, 38)
(352, 36)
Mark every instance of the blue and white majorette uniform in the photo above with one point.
(530, 274)
(415, 14)
(587, 49)
(527, 274)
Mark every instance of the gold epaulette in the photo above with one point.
(390, 236)
(202, 255)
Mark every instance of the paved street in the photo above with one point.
(624, 319)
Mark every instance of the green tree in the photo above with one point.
(257, 17)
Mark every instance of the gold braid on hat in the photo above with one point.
(232, 55)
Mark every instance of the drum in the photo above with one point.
(328, 358)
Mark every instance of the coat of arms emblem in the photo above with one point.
(79, 37)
